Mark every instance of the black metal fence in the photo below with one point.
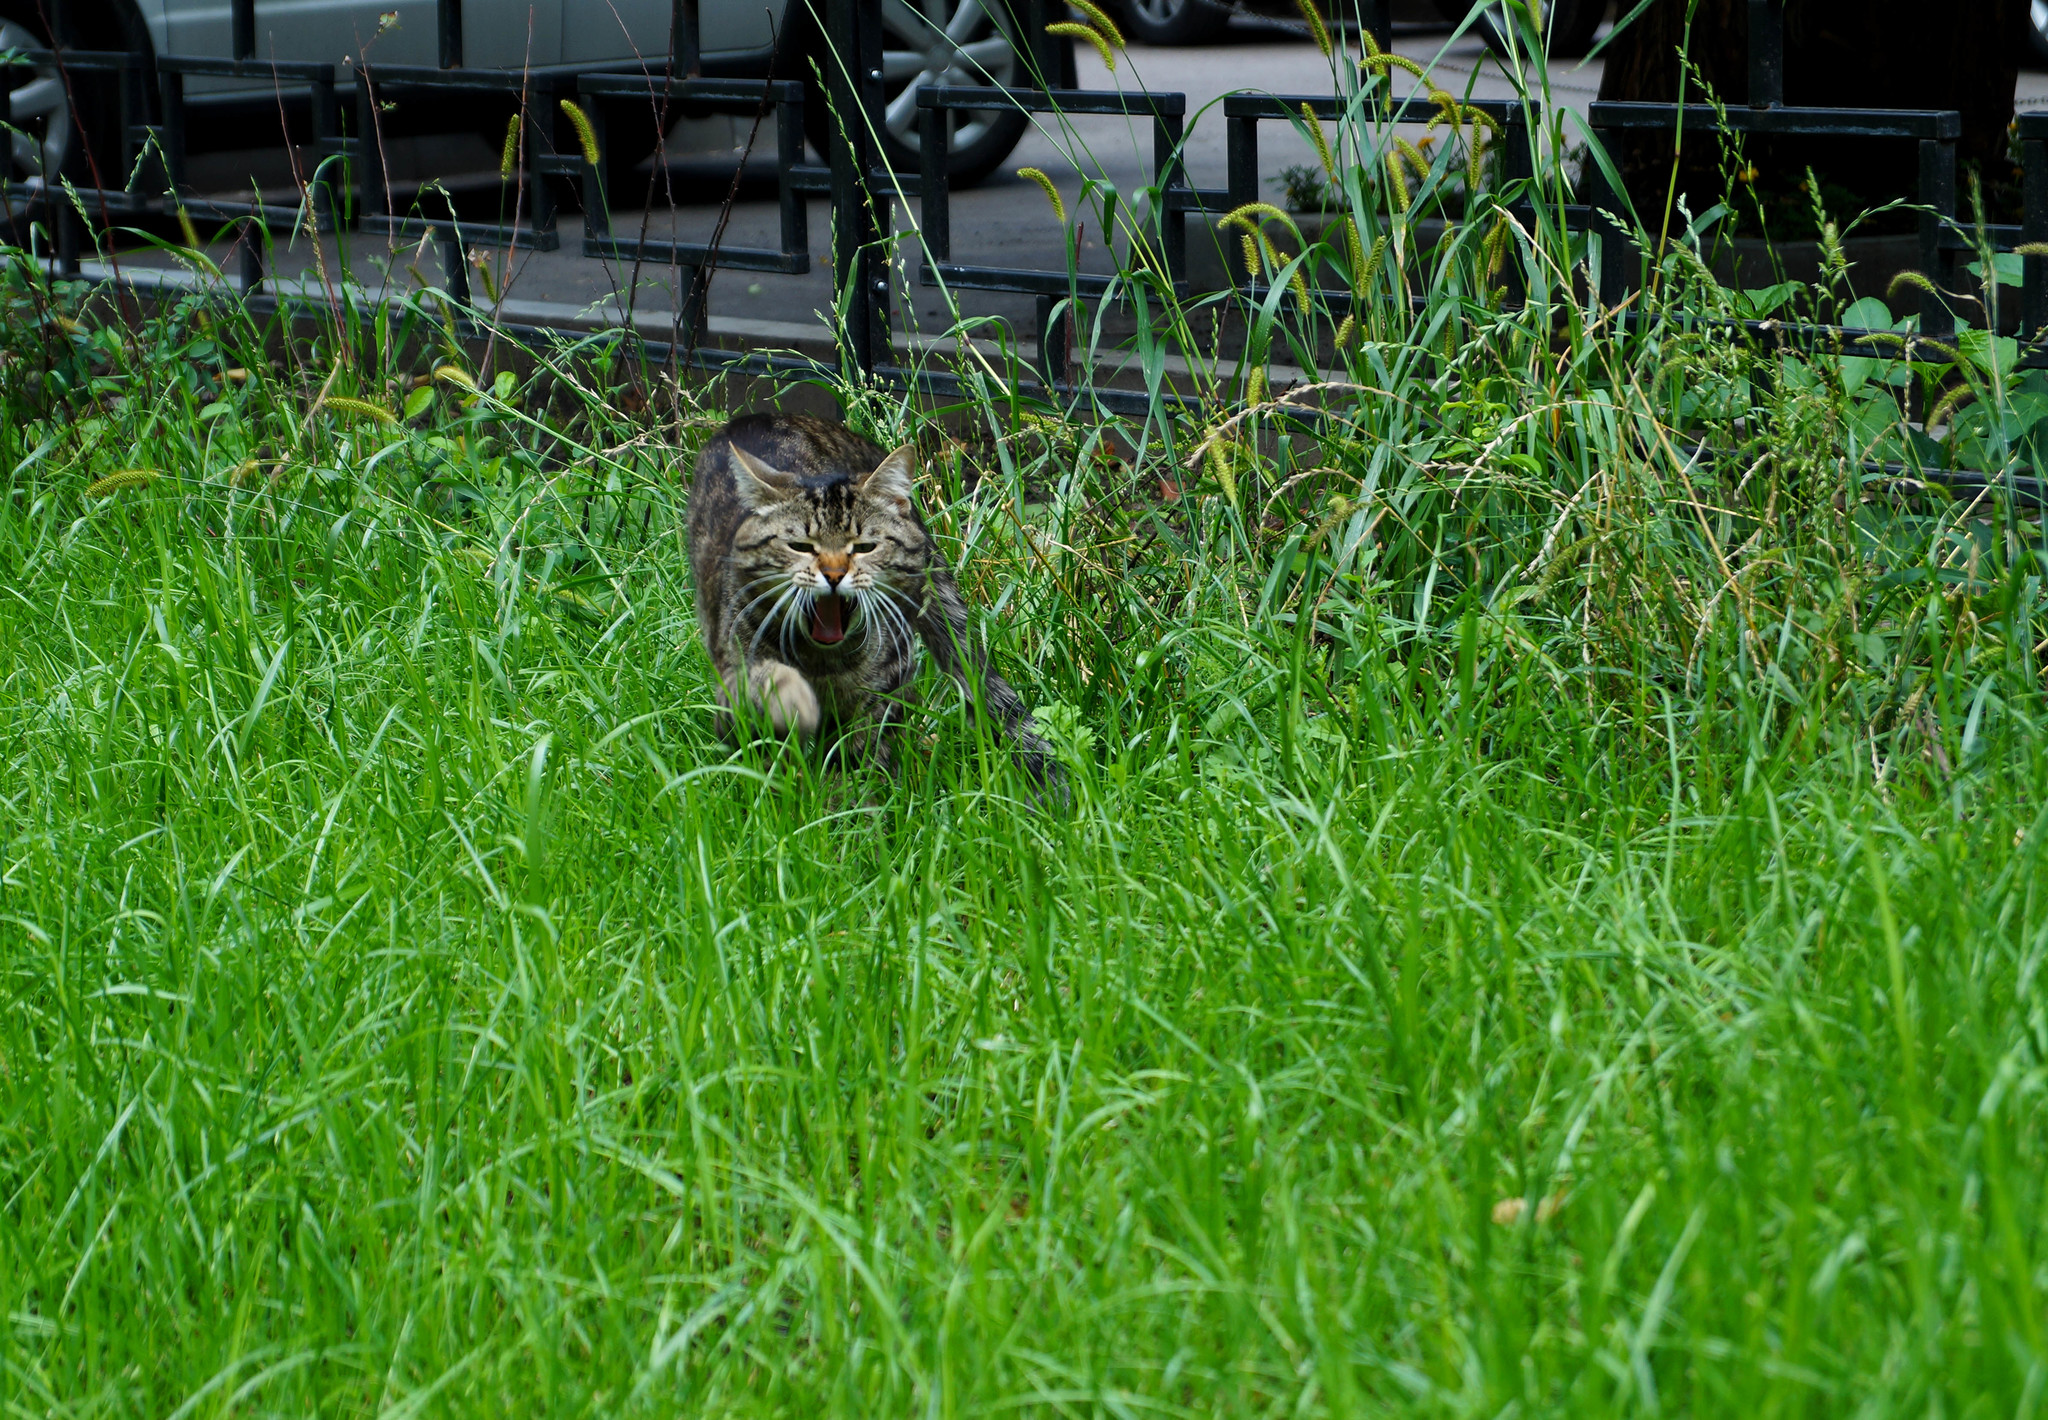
(350, 188)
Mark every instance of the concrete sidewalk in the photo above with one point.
(1003, 222)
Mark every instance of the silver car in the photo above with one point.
(931, 42)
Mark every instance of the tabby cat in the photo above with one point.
(815, 581)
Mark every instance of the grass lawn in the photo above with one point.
(1548, 921)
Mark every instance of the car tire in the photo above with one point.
(46, 142)
(1175, 22)
(979, 47)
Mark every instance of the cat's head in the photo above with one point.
(823, 551)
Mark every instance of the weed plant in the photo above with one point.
(1549, 918)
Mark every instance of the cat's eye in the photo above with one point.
(865, 546)
(802, 547)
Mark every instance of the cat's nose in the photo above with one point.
(833, 568)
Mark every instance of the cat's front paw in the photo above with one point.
(782, 694)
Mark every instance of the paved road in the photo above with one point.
(1005, 221)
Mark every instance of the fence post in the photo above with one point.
(70, 234)
(1937, 201)
(1766, 53)
(1518, 166)
(597, 201)
(1043, 52)
(1241, 148)
(690, 314)
(1606, 224)
(860, 266)
(1373, 15)
(543, 119)
(171, 89)
(1055, 334)
(454, 268)
(328, 205)
(369, 150)
(683, 39)
(1171, 175)
(2034, 156)
(448, 29)
(934, 196)
(250, 256)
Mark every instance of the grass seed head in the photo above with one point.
(1386, 63)
(585, 134)
(1397, 181)
(1372, 262)
(1092, 36)
(1252, 214)
(1052, 193)
(1223, 465)
(1952, 401)
(1493, 252)
(358, 409)
(1318, 31)
(115, 482)
(1099, 17)
(1910, 281)
(509, 159)
(1416, 158)
(1315, 133)
(1354, 249)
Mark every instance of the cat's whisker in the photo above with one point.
(859, 597)
(886, 597)
(905, 637)
(882, 616)
(743, 611)
(800, 615)
(770, 619)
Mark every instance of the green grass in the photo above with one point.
(1548, 922)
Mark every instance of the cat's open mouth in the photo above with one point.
(829, 616)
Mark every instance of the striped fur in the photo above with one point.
(816, 583)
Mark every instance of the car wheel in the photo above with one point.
(40, 132)
(2037, 28)
(1175, 21)
(965, 42)
(55, 133)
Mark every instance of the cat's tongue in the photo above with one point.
(828, 620)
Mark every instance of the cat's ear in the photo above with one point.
(760, 487)
(892, 478)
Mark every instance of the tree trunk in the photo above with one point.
(1838, 54)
